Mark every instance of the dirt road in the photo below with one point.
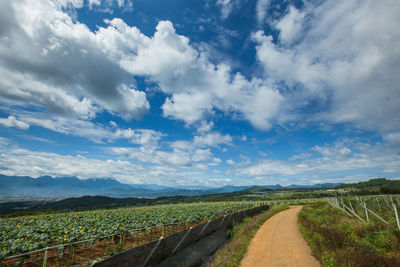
(279, 243)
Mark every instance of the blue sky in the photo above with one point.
(207, 93)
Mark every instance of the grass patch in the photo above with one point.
(241, 235)
(337, 240)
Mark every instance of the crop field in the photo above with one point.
(30, 233)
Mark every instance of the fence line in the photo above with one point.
(155, 252)
(388, 200)
(85, 241)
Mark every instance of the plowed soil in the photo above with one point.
(279, 243)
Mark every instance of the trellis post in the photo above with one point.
(180, 242)
(152, 252)
(46, 254)
(397, 216)
(366, 211)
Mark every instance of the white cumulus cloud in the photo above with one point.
(196, 87)
(339, 58)
(290, 25)
(11, 121)
(226, 7)
(329, 159)
(51, 61)
(261, 10)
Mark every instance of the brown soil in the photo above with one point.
(279, 243)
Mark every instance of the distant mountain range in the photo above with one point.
(72, 186)
(325, 185)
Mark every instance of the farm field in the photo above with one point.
(133, 225)
(80, 237)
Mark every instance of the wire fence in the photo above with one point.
(368, 209)
(177, 249)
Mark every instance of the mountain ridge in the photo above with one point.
(73, 186)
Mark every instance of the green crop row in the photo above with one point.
(28, 233)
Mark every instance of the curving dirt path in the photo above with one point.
(278, 242)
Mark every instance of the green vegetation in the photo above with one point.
(38, 224)
(241, 235)
(339, 240)
(27, 233)
(379, 205)
(22, 206)
(374, 186)
(14, 209)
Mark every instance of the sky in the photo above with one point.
(210, 93)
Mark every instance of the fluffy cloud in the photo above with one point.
(93, 131)
(256, 100)
(205, 127)
(195, 85)
(170, 168)
(344, 63)
(261, 10)
(330, 159)
(175, 158)
(230, 162)
(344, 66)
(177, 106)
(226, 7)
(11, 121)
(48, 60)
(218, 181)
(393, 139)
(71, 126)
(290, 25)
(98, 5)
(143, 137)
(179, 154)
(217, 160)
(212, 139)
(202, 155)
(73, 71)
(17, 161)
